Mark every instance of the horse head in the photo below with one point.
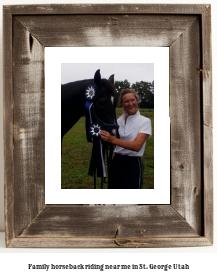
(74, 102)
(103, 109)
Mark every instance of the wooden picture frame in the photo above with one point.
(186, 30)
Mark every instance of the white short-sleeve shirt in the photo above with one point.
(135, 124)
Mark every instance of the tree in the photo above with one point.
(151, 87)
(146, 92)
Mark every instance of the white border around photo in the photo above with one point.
(54, 57)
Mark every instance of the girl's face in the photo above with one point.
(129, 103)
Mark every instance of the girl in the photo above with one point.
(126, 168)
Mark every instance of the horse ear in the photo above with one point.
(111, 79)
(97, 78)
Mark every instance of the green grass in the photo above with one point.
(76, 153)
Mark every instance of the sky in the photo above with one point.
(132, 72)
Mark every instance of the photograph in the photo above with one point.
(108, 107)
(107, 126)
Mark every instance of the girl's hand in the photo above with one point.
(106, 136)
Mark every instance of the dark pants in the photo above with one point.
(126, 172)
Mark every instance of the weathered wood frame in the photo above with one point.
(186, 29)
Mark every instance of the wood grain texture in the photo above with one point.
(207, 67)
(8, 125)
(207, 123)
(106, 9)
(186, 30)
(185, 113)
(107, 30)
(208, 182)
(109, 221)
(29, 132)
(34, 242)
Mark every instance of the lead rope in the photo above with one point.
(103, 178)
(109, 155)
(94, 172)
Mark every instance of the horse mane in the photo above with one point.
(105, 83)
(76, 83)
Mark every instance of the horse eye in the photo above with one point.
(101, 100)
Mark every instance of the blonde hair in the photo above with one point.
(127, 91)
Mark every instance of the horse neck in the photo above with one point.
(73, 100)
(78, 90)
(75, 95)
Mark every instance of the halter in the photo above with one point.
(93, 129)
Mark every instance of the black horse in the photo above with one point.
(98, 96)
(73, 99)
